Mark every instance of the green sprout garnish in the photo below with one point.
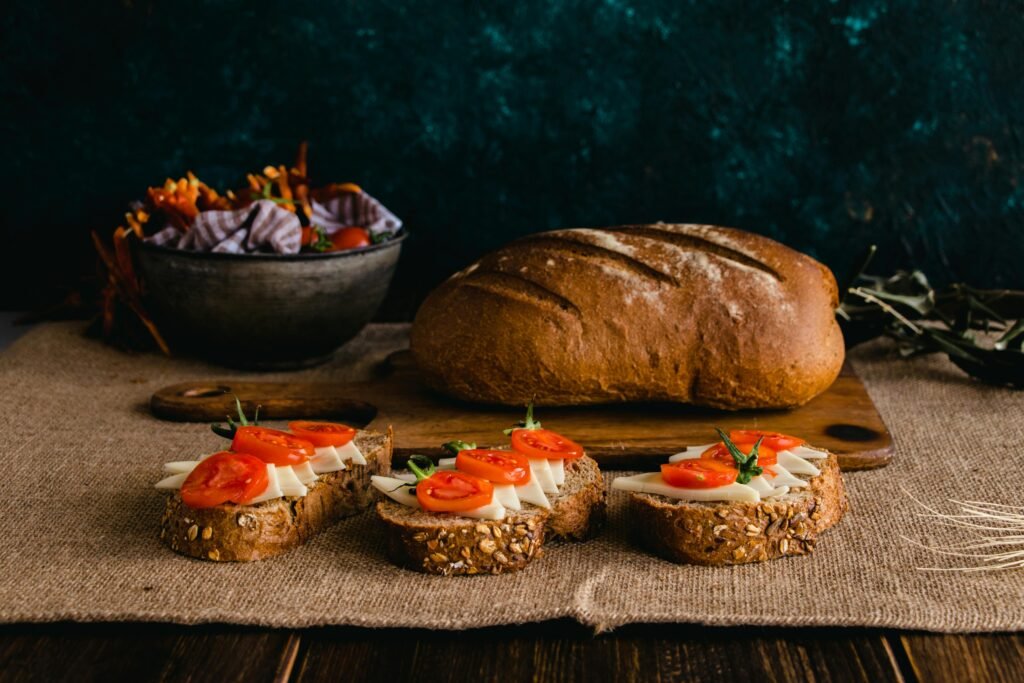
(422, 467)
(747, 464)
(455, 446)
(528, 423)
(229, 431)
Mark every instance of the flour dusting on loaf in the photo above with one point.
(687, 313)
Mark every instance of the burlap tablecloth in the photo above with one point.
(80, 452)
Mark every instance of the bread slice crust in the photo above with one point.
(717, 534)
(579, 511)
(243, 533)
(449, 545)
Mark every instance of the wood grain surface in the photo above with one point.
(551, 651)
(843, 419)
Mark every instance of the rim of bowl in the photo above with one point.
(218, 256)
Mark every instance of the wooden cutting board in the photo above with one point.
(633, 436)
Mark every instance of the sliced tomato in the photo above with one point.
(351, 237)
(453, 491)
(272, 445)
(498, 467)
(544, 443)
(773, 440)
(766, 457)
(322, 433)
(224, 477)
(698, 473)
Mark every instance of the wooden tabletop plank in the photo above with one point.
(142, 652)
(977, 658)
(565, 651)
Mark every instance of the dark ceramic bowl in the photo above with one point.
(265, 311)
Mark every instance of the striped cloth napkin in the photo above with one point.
(265, 226)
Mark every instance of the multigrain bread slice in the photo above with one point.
(737, 533)
(578, 511)
(449, 545)
(240, 533)
(699, 290)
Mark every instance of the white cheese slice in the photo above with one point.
(180, 466)
(350, 452)
(172, 482)
(557, 470)
(797, 465)
(506, 495)
(767, 489)
(652, 482)
(777, 475)
(273, 489)
(289, 483)
(493, 510)
(326, 460)
(531, 492)
(446, 464)
(541, 471)
(397, 490)
(808, 453)
(761, 485)
(690, 453)
(305, 473)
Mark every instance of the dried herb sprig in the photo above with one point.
(969, 325)
(994, 535)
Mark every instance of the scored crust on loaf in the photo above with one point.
(684, 313)
(738, 533)
(240, 533)
(446, 544)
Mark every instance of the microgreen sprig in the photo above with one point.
(457, 445)
(229, 431)
(528, 423)
(422, 466)
(747, 464)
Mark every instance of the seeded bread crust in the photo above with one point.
(580, 509)
(634, 313)
(242, 533)
(717, 534)
(445, 544)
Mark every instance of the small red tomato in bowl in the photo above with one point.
(351, 237)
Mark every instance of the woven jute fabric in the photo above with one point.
(79, 525)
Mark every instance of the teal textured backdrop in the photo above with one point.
(827, 125)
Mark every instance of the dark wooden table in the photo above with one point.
(559, 651)
(556, 651)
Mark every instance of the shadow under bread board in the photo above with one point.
(620, 436)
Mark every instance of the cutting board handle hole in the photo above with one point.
(848, 432)
(205, 392)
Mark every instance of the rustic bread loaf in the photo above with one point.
(738, 533)
(240, 533)
(683, 313)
